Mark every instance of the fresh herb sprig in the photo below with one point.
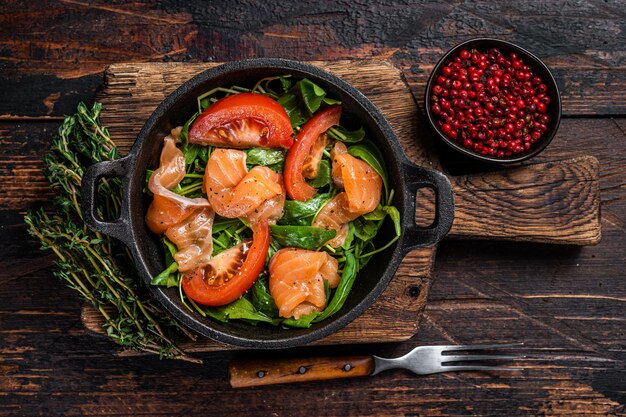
(99, 268)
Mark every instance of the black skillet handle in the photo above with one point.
(415, 178)
(119, 228)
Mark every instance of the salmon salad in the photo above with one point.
(268, 204)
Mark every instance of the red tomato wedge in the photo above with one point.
(229, 275)
(243, 120)
(297, 188)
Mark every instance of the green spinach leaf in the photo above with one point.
(340, 133)
(312, 94)
(378, 214)
(168, 277)
(299, 213)
(264, 157)
(302, 100)
(170, 250)
(221, 223)
(190, 151)
(294, 107)
(349, 236)
(365, 229)
(395, 217)
(285, 83)
(262, 300)
(303, 322)
(184, 134)
(240, 309)
(323, 175)
(305, 237)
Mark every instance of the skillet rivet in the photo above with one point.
(260, 374)
(302, 370)
(347, 367)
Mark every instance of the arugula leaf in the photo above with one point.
(395, 217)
(312, 94)
(170, 250)
(262, 300)
(302, 100)
(378, 214)
(168, 277)
(365, 229)
(381, 212)
(327, 290)
(294, 108)
(330, 101)
(203, 157)
(184, 134)
(264, 157)
(323, 175)
(299, 213)
(349, 236)
(277, 167)
(305, 237)
(303, 322)
(285, 83)
(190, 151)
(369, 153)
(222, 223)
(340, 133)
(240, 309)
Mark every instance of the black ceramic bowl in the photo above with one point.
(538, 68)
(405, 178)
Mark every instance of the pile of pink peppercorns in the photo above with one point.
(490, 103)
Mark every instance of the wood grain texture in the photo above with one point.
(554, 202)
(566, 303)
(66, 65)
(252, 373)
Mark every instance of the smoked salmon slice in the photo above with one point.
(297, 280)
(233, 191)
(193, 239)
(168, 208)
(187, 222)
(362, 188)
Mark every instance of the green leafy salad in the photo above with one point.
(301, 100)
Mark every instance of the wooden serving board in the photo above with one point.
(554, 202)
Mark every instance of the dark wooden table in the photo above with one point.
(568, 304)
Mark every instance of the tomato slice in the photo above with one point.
(297, 188)
(221, 282)
(243, 121)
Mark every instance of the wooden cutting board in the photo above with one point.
(557, 202)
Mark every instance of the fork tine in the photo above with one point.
(478, 347)
(458, 358)
(478, 368)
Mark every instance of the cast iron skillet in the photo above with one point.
(404, 177)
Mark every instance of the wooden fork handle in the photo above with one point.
(250, 373)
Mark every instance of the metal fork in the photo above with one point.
(423, 360)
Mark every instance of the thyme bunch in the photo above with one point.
(99, 268)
